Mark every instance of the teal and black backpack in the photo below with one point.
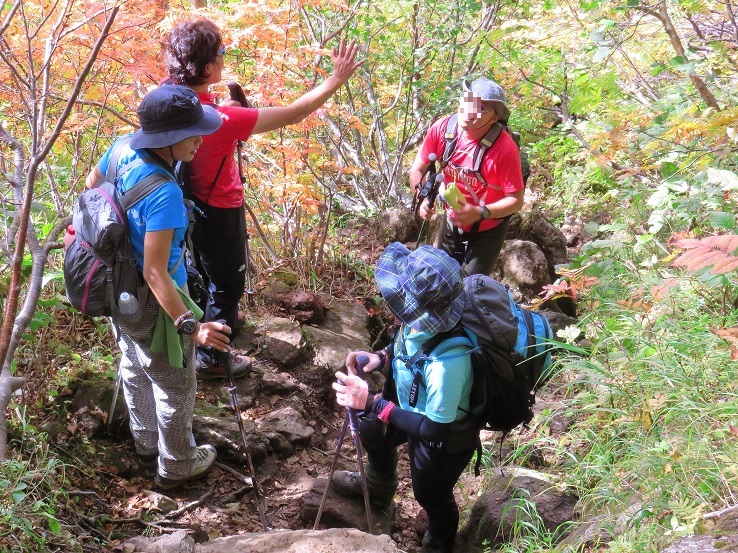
(511, 355)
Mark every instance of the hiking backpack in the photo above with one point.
(510, 355)
(99, 264)
(483, 146)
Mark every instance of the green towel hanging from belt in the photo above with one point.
(166, 339)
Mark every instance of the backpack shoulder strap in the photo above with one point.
(485, 143)
(111, 173)
(451, 139)
(142, 189)
(438, 345)
(483, 146)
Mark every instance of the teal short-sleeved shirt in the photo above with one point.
(446, 381)
(163, 209)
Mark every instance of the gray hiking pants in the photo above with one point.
(160, 398)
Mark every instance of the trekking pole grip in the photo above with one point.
(361, 362)
(225, 358)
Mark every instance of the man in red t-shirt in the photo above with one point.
(487, 203)
(194, 57)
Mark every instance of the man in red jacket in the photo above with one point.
(474, 232)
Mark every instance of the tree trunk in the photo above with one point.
(676, 42)
(14, 324)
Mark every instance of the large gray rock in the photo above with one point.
(289, 423)
(524, 268)
(178, 542)
(344, 330)
(219, 428)
(534, 227)
(297, 541)
(305, 307)
(93, 401)
(398, 225)
(494, 513)
(285, 343)
(302, 541)
(723, 538)
(247, 390)
(343, 512)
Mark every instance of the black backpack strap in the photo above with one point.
(483, 146)
(451, 139)
(215, 180)
(142, 189)
(422, 356)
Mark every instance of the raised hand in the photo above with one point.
(344, 60)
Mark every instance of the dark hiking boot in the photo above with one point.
(151, 460)
(240, 367)
(435, 545)
(382, 485)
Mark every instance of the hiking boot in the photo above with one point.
(240, 367)
(382, 485)
(204, 458)
(435, 545)
(151, 460)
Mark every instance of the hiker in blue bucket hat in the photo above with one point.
(157, 366)
(422, 404)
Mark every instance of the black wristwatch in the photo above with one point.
(485, 213)
(187, 326)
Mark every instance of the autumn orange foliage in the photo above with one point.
(717, 252)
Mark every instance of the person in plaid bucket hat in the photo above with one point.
(423, 289)
(423, 404)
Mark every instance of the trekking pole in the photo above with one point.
(351, 420)
(429, 191)
(237, 94)
(228, 369)
(118, 381)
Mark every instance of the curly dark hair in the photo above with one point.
(191, 45)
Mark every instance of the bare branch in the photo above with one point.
(9, 17)
(78, 86)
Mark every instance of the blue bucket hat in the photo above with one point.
(171, 113)
(489, 92)
(423, 288)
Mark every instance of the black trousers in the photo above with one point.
(434, 472)
(479, 251)
(219, 240)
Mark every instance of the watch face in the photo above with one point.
(188, 326)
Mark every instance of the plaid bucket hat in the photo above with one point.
(423, 288)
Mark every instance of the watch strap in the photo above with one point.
(187, 314)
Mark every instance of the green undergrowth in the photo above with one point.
(651, 403)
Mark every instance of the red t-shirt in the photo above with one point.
(500, 168)
(218, 148)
